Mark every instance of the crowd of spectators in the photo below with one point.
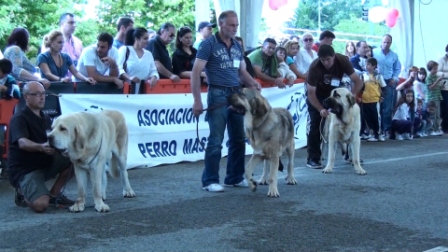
(141, 57)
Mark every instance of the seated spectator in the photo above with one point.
(350, 49)
(325, 38)
(205, 30)
(283, 68)
(306, 54)
(292, 48)
(8, 85)
(99, 61)
(31, 160)
(22, 68)
(54, 65)
(428, 117)
(420, 84)
(265, 63)
(124, 24)
(359, 59)
(157, 46)
(135, 62)
(249, 67)
(403, 120)
(185, 55)
(72, 45)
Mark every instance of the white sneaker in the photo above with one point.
(381, 138)
(439, 133)
(243, 183)
(435, 133)
(213, 188)
(399, 137)
(364, 137)
(407, 136)
(372, 139)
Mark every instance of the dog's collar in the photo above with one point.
(101, 143)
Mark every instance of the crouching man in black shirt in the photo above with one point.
(31, 160)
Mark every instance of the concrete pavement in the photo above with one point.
(400, 205)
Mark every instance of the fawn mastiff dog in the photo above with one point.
(91, 140)
(270, 132)
(342, 127)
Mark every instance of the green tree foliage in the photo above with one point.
(332, 13)
(37, 16)
(42, 16)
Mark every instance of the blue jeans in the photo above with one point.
(387, 107)
(218, 119)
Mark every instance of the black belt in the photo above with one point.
(233, 89)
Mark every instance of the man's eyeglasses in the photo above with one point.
(308, 39)
(38, 94)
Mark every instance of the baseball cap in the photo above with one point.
(205, 24)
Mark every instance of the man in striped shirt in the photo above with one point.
(222, 57)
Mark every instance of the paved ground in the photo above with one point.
(400, 205)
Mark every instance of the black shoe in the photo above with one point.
(19, 199)
(61, 200)
(313, 164)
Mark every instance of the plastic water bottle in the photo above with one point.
(37, 73)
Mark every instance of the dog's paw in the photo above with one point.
(129, 193)
(76, 208)
(263, 181)
(102, 208)
(253, 185)
(327, 170)
(290, 180)
(273, 193)
(361, 171)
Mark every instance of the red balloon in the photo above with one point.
(275, 4)
(391, 17)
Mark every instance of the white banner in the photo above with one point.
(162, 128)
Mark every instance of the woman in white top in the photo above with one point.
(136, 64)
(306, 55)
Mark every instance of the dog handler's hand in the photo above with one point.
(47, 149)
(324, 113)
(197, 108)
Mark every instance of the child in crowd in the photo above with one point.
(371, 98)
(403, 120)
(434, 84)
(427, 117)
(420, 84)
(408, 83)
(283, 68)
(8, 85)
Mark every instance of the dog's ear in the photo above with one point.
(351, 100)
(79, 138)
(258, 107)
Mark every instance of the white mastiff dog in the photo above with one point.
(342, 127)
(91, 140)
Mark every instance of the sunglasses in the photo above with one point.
(308, 39)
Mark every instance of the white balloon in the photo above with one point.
(377, 14)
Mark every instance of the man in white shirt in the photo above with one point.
(99, 61)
